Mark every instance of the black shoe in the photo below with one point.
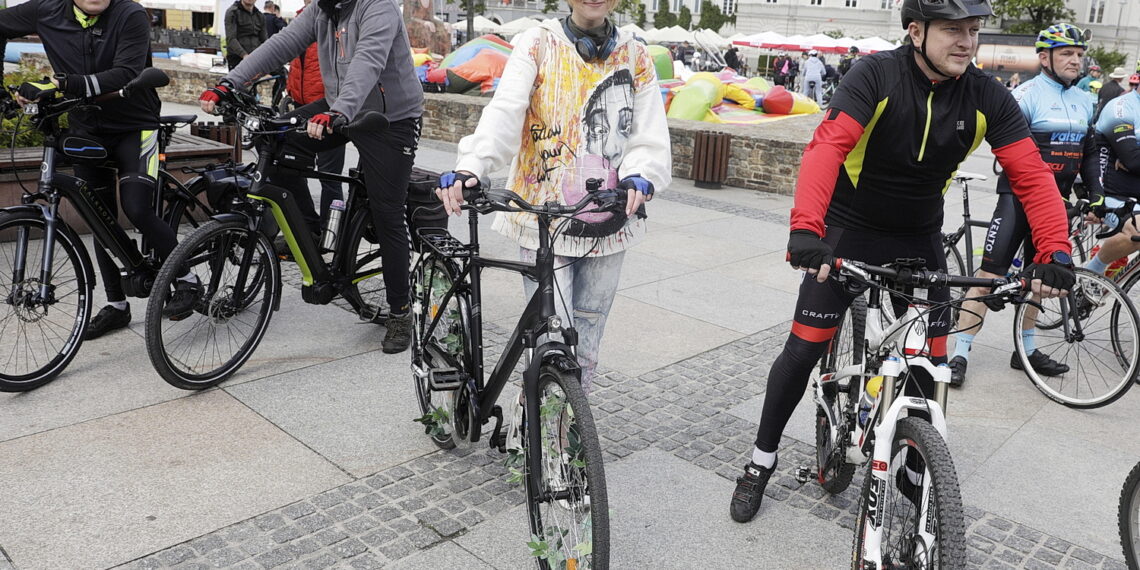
(750, 491)
(107, 320)
(958, 371)
(399, 335)
(1041, 363)
(185, 298)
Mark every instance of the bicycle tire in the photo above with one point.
(573, 470)
(1103, 364)
(949, 521)
(28, 325)
(186, 352)
(447, 348)
(1128, 518)
(833, 471)
(362, 265)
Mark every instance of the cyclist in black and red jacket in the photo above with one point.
(871, 185)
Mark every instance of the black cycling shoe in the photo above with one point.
(184, 299)
(750, 491)
(1041, 363)
(958, 371)
(399, 335)
(108, 319)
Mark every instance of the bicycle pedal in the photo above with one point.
(498, 439)
(803, 474)
(442, 379)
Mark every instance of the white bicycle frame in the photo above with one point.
(896, 358)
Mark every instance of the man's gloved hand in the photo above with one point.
(323, 123)
(214, 95)
(36, 90)
(638, 192)
(1057, 275)
(806, 250)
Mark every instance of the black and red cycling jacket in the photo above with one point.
(892, 140)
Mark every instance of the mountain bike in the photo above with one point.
(46, 274)
(239, 272)
(560, 455)
(910, 507)
(1129, 518)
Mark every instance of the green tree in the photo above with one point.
(712, 18)
(664, 18)
(836, 34)
(1107, 59)
(685, 18)
(549, 6)
(1032, 16)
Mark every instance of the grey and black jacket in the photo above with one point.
(365, 57)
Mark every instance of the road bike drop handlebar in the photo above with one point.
(1114, 218)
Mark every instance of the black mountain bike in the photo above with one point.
(561, 459)
(46, 274)
(239, 273)
(1129, 518)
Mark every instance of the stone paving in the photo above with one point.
(680, 409)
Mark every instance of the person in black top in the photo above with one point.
(870, 189)
(273, 20)
(245, 31)
(1111, 90)
(95, 47)
(732, 58)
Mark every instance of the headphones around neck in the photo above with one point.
(587, 49)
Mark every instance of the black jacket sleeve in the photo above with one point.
(1090, 167)
(132, 47)
(1123, 141)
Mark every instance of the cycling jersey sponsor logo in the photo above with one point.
(1122, 128)
(1066, 137)
(961, 125)
(823, 316)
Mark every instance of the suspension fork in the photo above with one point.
(51, 219)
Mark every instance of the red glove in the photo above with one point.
(328, 120)
(216, 93)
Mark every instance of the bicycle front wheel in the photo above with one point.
(39, 336)
(240, 287)
(566, 498)
(1097, 345)
(1129, 518)
(847, 347)
(920, 472)
(362, 265)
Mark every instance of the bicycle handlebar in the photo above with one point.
(149, 78)
(483, 201)
(925, 278)
(1115, 218)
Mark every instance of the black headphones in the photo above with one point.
(587, 49)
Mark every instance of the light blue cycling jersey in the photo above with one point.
(1060, 119)
(1116, 137)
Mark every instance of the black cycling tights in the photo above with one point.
(818, 311)
(136, 156)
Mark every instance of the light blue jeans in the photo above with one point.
(587, 286)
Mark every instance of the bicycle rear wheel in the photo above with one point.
(442, 353)
(847, 347)
(566, 499)
(920, 471)
(1101, 348)
(362, 265)
(39, 337)
(240, 288)
(1129, 518)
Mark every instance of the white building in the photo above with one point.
(1115, 24)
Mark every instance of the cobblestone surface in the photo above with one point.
(396, 512)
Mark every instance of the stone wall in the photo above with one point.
(763, 157)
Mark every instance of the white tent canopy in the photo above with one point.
(673, 34)
(711, 38)
(484, 25)
(633, 29)
(519, 25)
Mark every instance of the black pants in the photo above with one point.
(386, 160)
(818, 311)
(136, 155)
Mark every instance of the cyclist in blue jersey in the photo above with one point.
(1060, 119)
(1120, 167)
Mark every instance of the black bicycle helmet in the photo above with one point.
(927, 10)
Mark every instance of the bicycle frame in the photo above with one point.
(963, 231)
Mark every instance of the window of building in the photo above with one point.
(770, 1)
(885, 5)
(851, 3)
(1096, 11)
(728, 7)
(816, 2)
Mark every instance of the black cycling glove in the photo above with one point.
(805, 249)
(1054, 275)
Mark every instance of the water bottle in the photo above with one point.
(336, 208)
(868, 400)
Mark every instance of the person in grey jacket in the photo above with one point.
(366, 64)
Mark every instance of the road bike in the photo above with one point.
(1129, 518)
(560, 456)
(239, 273)
(910, 508)
(46, 273)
